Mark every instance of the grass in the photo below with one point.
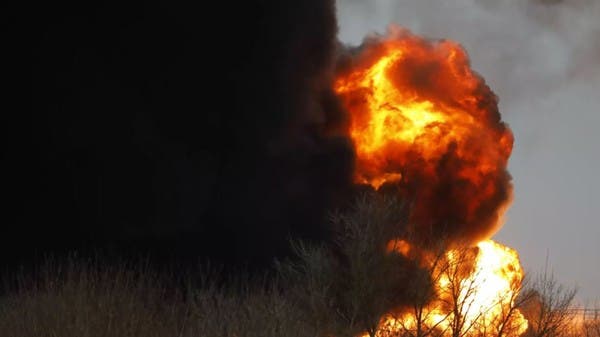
(83, 298)
(324, 291)
(342, 289)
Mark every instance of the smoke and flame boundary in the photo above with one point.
(427, 127)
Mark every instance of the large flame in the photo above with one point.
(475, 294)
(496, 279)
(423, 122)
(425, 126)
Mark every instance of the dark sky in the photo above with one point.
(542, 58)
(170, 128)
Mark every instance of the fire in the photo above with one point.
(480, 303)
(497, 273)
(392, 113)
(424, 123)
(425, 126)
(489, 292)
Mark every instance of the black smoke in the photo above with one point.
(178, 130)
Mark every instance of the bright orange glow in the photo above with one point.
(483, 298)
(494, 283)
(423, 122)
(498, 270)
(425, 126)
(400, 246)
(397, 117)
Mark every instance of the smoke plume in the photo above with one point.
(149, 127)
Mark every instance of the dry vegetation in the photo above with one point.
(84, 299)
(343, 290)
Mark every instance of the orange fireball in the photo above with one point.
(424, 123)
(427, 127)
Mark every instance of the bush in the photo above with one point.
(347, 289)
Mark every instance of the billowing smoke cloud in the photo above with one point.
(542, 59)
(151, 127)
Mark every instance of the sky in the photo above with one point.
(542, 58)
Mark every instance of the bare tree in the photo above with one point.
(370, 277)
(508, 321)
(310, 283)
(443, 296)
(459, 288)
(347, 289)
(548, 309)
(424, 314)
(591, 328)
(588, 320)
(469, 314)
